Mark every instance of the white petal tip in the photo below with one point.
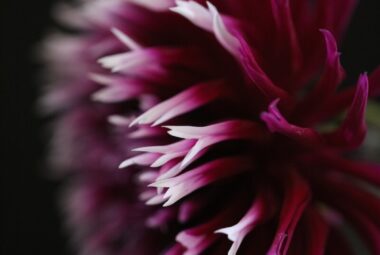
(126, 163)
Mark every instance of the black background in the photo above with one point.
(30, 220)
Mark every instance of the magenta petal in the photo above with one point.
(286, 31)
(358, 169)
(319, 229)
(277, 123)
(296, 198)
(325, 88)
(258, 76)
(228, 159)
(358, 218)
(353, 129)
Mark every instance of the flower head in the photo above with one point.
(216, 110)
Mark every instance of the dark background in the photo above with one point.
(30, 221)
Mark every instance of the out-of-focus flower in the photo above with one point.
(220, 109)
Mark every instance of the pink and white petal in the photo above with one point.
(227, 128)
(262, 209)
(182, 185)
(180, 146)
(194, 12)
(126, 40)
(186, 101)
(156, 200)
(198, 238)
(127, 61)
(115, 94)
(119, 120)
(147, 176)
(168, 157)
(209, 20)
(132, 61)
(226, 39)
(155, 5)
(179, 167)
(145, 132)
(145, 159)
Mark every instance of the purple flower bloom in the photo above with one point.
(218, 110)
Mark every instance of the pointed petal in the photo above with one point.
(180, 146)
(209, 20)
(261, 210)
(182, 185)
(161, 5)
(235, 128)
(129, 42)
(330, 79)
(195, 13)
(353, 129)
(145, 159)
(186, 101)
(226, 39)
(259, 78)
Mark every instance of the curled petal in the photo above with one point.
(209, 20)
(277, 123)
(229, 42)
(194, 12)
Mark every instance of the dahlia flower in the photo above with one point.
(228, 120)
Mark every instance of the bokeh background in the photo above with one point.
(30, 221)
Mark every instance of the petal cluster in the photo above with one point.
(215, 112)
